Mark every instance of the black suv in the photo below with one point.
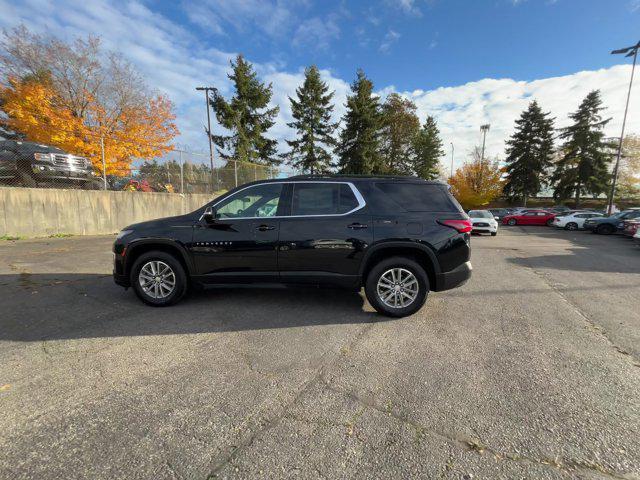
(32, 163)
(399, 237)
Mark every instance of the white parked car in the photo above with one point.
(575, 220)
(483, 222)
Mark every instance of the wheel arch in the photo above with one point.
(422, 254)
(143, 246)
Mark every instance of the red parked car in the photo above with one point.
(530, 217)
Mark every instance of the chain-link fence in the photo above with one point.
(27, 164)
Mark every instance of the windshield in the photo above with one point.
(480, 214)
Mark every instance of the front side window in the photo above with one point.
(258, 201)
(311, 199)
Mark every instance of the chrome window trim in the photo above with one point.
(354, 189)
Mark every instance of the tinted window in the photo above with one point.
(416, 197)
(258, 201)
(322, 199)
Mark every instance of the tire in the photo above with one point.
(26, 179)
(512, 222)
(493, 234)
(571, 226)
(550, 222)
(407, 268)
(147, 261)
(605, 229)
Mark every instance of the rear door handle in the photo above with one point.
(264, 228)
(357, 226)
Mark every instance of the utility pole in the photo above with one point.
(452, 150)
(206, 96)
(484, 129)
(630, 52)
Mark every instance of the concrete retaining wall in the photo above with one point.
(36, 212)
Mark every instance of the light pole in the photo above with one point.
(484, 129)
(630, 52)
(206, 96)
(452, 149)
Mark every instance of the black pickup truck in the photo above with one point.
(32, 164)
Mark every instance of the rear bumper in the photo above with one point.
(456, 277)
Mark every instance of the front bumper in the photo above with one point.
(119, 271)
(456, 277)
(46, 171)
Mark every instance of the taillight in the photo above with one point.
(462, 226)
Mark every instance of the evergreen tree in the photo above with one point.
(529, 153)
(427, 147)
(312, 122)
(359, 148)
(400, 126)
(247, 117)
(584, 163)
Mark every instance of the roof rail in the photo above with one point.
(347, 175)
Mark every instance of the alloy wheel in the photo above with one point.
(157, 279)
(397, 287)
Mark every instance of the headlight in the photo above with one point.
(123, 233)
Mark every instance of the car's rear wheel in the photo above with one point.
(605, 229)
(512, 221)
(158, 279)
(550, 222)
(571, 226)
(397, 287)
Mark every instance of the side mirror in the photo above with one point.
(209, 215)
(496, 217)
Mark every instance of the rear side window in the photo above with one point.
(419, 197)
(322, 199)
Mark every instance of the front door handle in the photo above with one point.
(357, 226)
(264, 228)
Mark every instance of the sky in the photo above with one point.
(466, 62)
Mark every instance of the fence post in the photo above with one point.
(104, 163)
(181, 172)
(235, 170)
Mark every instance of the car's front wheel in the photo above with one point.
(397, 287)
(158, 279)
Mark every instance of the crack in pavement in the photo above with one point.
(567, 466)
(593, 326)
(232, 451)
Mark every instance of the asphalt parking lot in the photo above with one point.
(531, 370)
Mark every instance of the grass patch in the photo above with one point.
(10, 237)
(61, 235)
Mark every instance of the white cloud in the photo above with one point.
(390, 38)
(462, 109)
(407, 6)
(272, 17)
(317, 32)
(174, 61)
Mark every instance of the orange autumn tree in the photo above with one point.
(73, 96)
(477, 183)
(142, 131)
